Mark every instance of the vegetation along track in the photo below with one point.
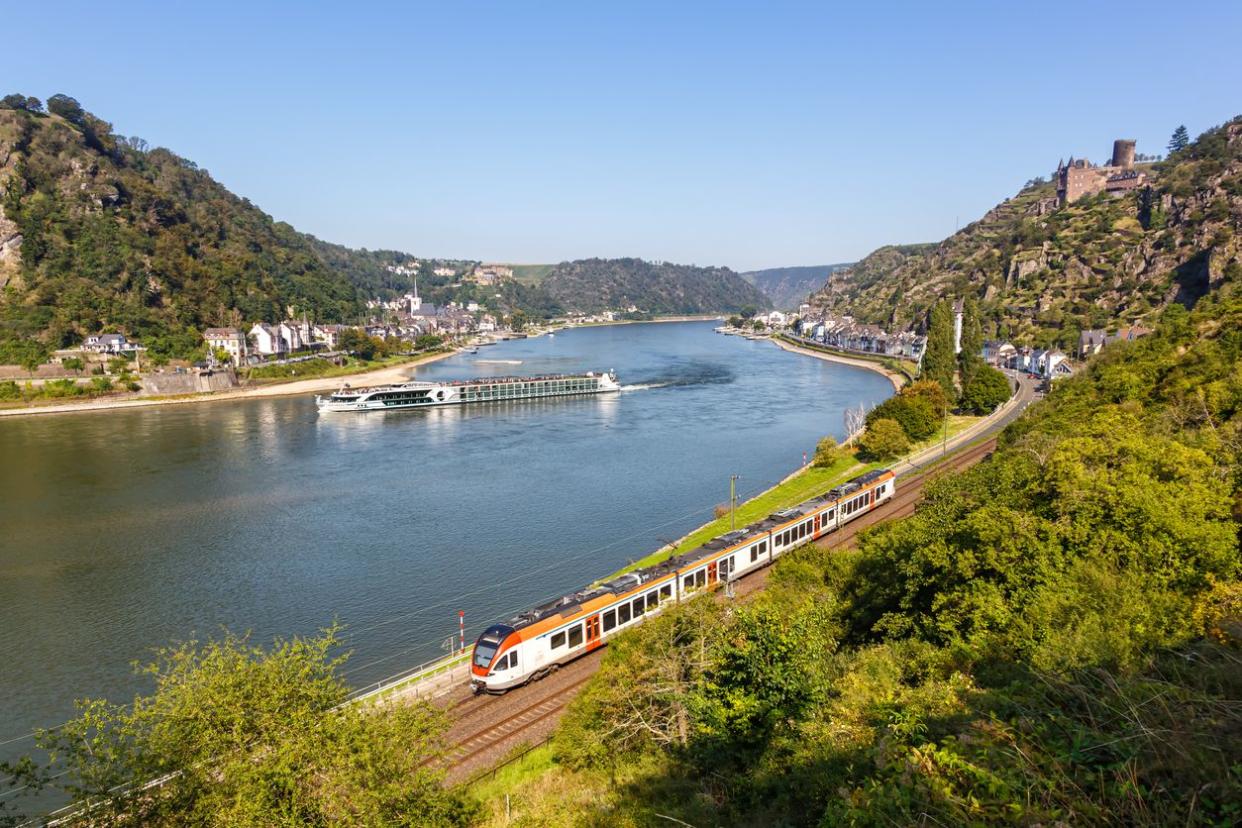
(487, 728)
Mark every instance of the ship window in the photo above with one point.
(575, 635)
(623, 614)
(558, 640)
(638, 606)
(666, 591)
(610, 620)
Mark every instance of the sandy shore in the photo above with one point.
(898, 380)
(377, 376)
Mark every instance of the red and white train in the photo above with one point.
(539, 640)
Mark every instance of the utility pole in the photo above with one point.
(733, 478)
(945, 446)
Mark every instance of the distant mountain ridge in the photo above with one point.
(789, 287)
(590, 285)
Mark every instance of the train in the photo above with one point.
(540, 640)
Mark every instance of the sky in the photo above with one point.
(742, 134)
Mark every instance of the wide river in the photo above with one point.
(124, 531)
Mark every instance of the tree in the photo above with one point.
(517, 320)
(884, 439)
(827, 453)
(428, 341)
(67, 108)
(1180, 139)
(939, 360)
(987, 389)
(73, 364)
(21, 103)
(972, 330)
(915, 414)
(355, 341)
(241, 735)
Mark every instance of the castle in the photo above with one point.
(1079, 178)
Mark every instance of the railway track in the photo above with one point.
(487, 728)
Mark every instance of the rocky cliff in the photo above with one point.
(1043, 272)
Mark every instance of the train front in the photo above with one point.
(484, 658)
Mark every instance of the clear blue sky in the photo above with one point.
(749, 135)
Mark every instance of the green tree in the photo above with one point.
(972, 340)
(827, 453)
(356, 341)
(1180, 139)
(67, 108)
(987, 389)
(241, 735)
(517, 320)
(73, 364)
(428, 341)
(884, 439)
(915, 414)
(939, 361)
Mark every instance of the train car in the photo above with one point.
(540, 640)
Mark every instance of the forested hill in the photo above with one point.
(788, 287)
(99, 232)
(1043, 272)
(652, 287)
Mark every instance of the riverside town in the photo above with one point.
(506, 416)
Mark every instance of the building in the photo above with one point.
(959, 310)
(268, 340)
(444, 271)
(1093, 341)
(1080, 178)
(110, 343)
(231, 340)
(330, 335)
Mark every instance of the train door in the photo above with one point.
(711, 572)
(817, 516)
(592, 632)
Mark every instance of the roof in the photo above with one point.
(221, 333)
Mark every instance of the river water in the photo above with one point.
(123, 531)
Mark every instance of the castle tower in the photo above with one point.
(1123, 153)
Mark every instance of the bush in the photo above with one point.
(827, 453)
(884, 440)
(915, 414)
(10, 390)
(987, 389)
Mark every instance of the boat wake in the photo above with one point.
(498, 361)
(645, 386)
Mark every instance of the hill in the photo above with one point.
(99, 232)
(788, 287)
(590, 285)
(1043, 272)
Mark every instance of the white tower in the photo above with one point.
(959, 307)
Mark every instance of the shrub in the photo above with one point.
(884, 440)
(827, 453)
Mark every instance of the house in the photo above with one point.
(268, 340)
(108, 344)
(330, 335)
(296, 334)
(997, 353)
(231, 340)
(776, 319)
(444, 271)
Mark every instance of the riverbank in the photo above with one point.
(397, 372)
(896, 378)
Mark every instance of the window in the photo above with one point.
(638, 606)
(754, 553)
(623, 614)
(666, 591)
(610, 619)
(513, 658)
(575, 636)
(558, 640)
(483, 652)
(700, 578)
(653, 599)
(687, 583)
(502, 663)
(763, 546)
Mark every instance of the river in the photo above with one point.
(124, 531)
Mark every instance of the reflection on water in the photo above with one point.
(126, 530)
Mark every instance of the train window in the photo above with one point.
(763, 546)
(513, 658)
(638, 606)
(687, 583)
(502, 663)
(700, 577)
(558, 640)
(653, 599)
(666, 591)
(754, 553)
(830, 513)
(575, 635)
(623, 614)
(610, 620)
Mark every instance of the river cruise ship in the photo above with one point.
(486, 389)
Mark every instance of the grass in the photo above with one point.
(317, 368)
(531, 274)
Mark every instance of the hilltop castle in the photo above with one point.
(1079, 178)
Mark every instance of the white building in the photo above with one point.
(108, 343)
(267, 340)
(227, 339)
(444, 271)
(296, 334)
